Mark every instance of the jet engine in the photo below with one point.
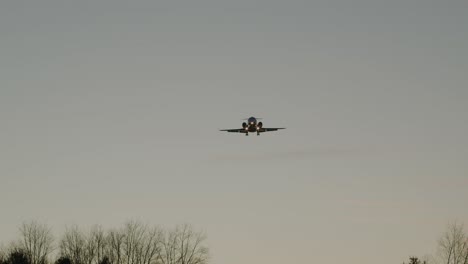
(260, 124)
(244, 125)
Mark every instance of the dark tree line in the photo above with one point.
(134, 243)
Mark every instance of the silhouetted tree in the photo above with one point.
(84, 247)
(63, 260)
(98, 241)
(415, 260)
(72, 245)
(18, 257)
(115, 246)
(453, 245)
(135, 243)
(184, 246)
(141, 244)
(36, 242)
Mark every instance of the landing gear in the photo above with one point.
(258, 133)
(246, 134)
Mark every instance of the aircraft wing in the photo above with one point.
(268, 129)
(235, 130)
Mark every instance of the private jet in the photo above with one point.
(252, 126)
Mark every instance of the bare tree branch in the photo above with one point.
(453, 245)
(36, 241)
(184, 246)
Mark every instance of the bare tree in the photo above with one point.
(3, 255)
(84, 247)
(141, 244)
(90, 250)
(72, 245)
(114, 251)
(98, 240)
(133, 236)
(36, 241)
(453, 245)
(184, 246)
(151, 246)
(135, 243)
(169, 250)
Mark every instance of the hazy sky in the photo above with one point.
(110, 111)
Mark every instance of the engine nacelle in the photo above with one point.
(244, 125)
(260, 124)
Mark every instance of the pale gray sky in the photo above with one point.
(110, 110)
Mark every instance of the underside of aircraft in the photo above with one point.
(252, 126)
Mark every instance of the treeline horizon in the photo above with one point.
(452, 248)
(133, 243)
(138, 243)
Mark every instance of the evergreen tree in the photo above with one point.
(17, 257)
(63, 260)
(415, 260)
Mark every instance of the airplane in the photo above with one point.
(252, 126)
